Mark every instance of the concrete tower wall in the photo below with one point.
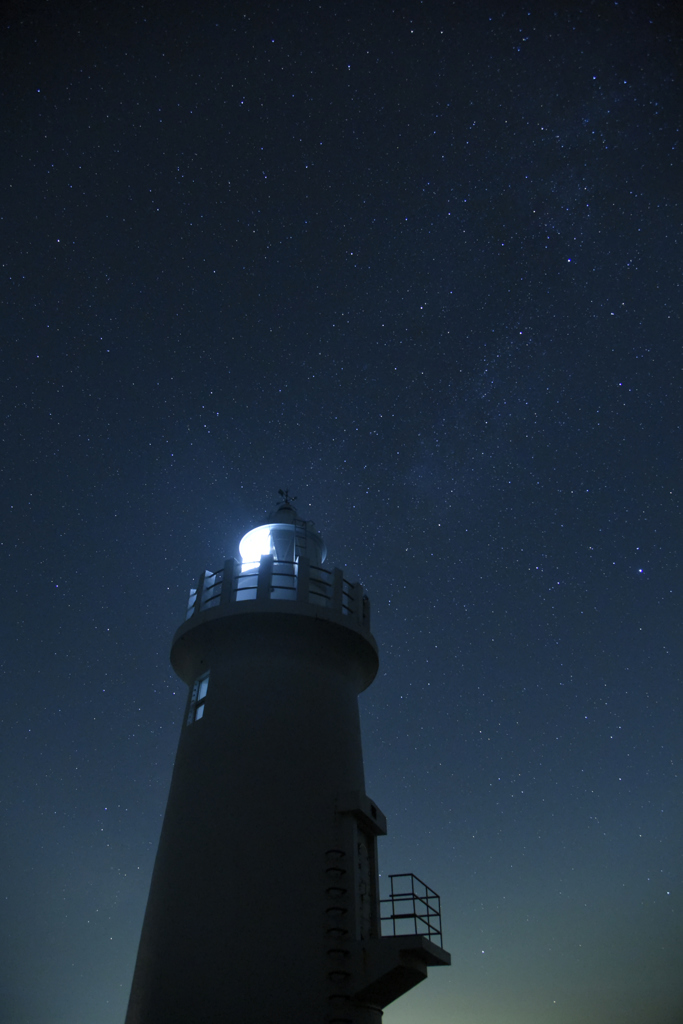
(264, 905)
(241, 869)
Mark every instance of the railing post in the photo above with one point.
(338, 591)
(265, 578)
(200, 592)
(303, 579)
(228, 581)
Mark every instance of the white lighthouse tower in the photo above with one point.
(264, 906)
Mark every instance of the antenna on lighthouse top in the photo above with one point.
(284, 511)
(287, 502)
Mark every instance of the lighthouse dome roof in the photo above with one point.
(285, 536)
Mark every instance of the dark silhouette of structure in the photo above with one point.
(264, 905)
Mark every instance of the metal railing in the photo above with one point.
(412, 908)
(278, 580)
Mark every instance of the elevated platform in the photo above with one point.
(393, 964)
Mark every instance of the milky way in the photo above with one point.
(422, 266)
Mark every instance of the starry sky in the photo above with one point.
(421, 264)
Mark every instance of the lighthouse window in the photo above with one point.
(198, 700)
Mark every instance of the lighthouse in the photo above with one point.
(264, 905)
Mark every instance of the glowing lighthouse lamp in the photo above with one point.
(264, 905)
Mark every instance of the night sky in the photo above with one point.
(421, 264)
